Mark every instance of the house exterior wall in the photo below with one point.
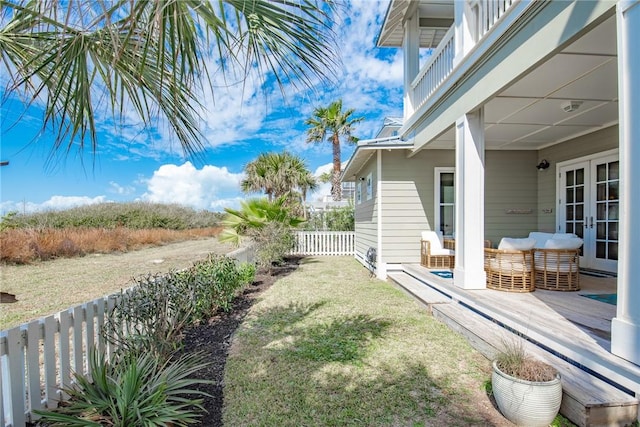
(592, 143)
(511, 194)
(366, 214)
(408, 200)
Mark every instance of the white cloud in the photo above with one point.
(211, 187)
(116, 188)
(324, 189)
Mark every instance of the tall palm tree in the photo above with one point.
(277, 175)
(329, 123)
(76, 56)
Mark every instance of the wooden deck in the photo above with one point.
(566, 328)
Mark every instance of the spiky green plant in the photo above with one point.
(134, 390)
(269, 224)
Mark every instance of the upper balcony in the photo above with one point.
(436, 33)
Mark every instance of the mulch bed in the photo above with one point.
(214, 338)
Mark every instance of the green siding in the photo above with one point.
(407, 207)
(517, 196)
(511, 190)
(596, 142)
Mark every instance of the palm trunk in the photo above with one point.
(336, 187)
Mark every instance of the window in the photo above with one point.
(445, 200)
(359, 193)
(369, 186)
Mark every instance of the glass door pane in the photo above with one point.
(574, 191)
(606, 212)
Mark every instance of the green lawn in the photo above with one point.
(330, 346)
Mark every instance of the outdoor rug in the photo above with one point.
(443, 274)
(608, 298)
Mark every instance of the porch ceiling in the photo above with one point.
(436, 17)
(529, 114)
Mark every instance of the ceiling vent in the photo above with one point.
(570, 106)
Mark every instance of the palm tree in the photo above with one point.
(278, 175)
(75, 57)
(329, 124)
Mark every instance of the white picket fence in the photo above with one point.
(39, 358)
(324, 243)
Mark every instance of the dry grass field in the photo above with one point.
(46, 287)
(26, 245)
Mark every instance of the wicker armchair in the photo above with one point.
(509, 270)
(557, 269)
(557, 261)
(432, 251)
(510, 267)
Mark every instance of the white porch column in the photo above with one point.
(625, 327)
(380, 262)
(469, 269)
(465, 17)
(411, 52)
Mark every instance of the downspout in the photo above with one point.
(381, 271)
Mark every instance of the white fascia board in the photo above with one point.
(366, 148)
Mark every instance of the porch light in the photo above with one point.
(544, 164)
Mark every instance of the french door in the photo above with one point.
(588, 205)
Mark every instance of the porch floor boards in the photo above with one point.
(573, 327)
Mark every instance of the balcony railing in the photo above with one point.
(435, 70)
(440, 65)
(489, 12)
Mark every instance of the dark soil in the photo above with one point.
(214, 338)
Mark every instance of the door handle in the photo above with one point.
(591, 222)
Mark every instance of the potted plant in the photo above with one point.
(528, 391)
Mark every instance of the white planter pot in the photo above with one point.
(526, 403)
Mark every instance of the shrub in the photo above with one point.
(135, 215)
(152, 315)
(338, 219)
(274, 242)
(134, 390)
(247, 273)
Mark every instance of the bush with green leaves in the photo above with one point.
(134, 390)
(150, 316)
(269, 224)
(274, 242)
(153, 314)
(247, 272)
(337, 219)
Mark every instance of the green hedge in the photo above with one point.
(135, 215)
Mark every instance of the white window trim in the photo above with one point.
(437, 172)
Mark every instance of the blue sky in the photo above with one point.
(240, 123)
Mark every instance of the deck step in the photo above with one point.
(426, 294)
(586, 401)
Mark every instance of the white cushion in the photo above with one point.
(511, 244)
(557, 236)
(435, 238)
(441, 252)
(564, 243)
(541, 238)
